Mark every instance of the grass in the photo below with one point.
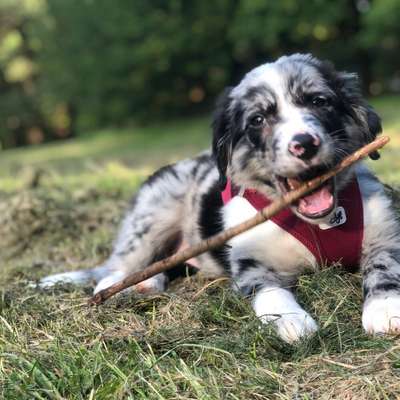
(197, 341)
(118, 154)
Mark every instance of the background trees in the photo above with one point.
(71, 66)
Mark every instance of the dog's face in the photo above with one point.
(287, 122)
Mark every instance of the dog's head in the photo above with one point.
(287, 122)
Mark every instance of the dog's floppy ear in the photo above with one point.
(375, 128)
(222, 140)
(364, 115)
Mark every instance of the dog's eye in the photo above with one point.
(257, 121)
(319, 101)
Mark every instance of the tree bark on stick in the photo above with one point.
(218, 240)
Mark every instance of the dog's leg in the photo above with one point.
(380, 263)
(265, 263)
(141, 250)
(150, 231)
(274, 302)
(381, 290)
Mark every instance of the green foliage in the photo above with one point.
(116, 60)
(70, 66)
(381, 37)
(18, 107)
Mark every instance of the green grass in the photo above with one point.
(104, 154)
(197, 341)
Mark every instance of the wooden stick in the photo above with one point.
(218, 240)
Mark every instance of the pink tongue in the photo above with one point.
(317, 202)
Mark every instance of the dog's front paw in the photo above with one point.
(382, 315)
(293, 327)
(278, 306)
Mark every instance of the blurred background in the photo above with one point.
(126, 78)
(69, 67)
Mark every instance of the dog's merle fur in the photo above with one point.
(253, 125)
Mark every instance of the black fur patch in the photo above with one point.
(211, 223)
(366, 290)
(249, 290)
(201, 161)
(246, 263)
(181, 271)
(206, 171)
(349, 99)
(255, 138)
(222, 134)
(160, 174)
(265, 181)
(387, 286)
(380, 267)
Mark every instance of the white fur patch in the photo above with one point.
(73, 277)
(109, 280)
(268, 243)
(382, 315)
(79, 277)
(279, 306)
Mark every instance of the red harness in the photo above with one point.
(338, 244)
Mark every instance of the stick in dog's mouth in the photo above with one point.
(318, 203)
(297, 194)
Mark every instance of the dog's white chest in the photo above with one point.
(267, 242)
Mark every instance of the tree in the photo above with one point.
(77, 65)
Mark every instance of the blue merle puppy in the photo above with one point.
(285, 122)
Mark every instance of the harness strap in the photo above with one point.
(339, 244)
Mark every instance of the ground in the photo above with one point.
(60, 206)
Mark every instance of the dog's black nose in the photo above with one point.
(304, 146)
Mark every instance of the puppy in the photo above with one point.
(284, 123)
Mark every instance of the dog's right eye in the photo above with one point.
(257, 121)
(319, 101)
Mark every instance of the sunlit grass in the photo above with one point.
(136, 146)
(94, 158)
